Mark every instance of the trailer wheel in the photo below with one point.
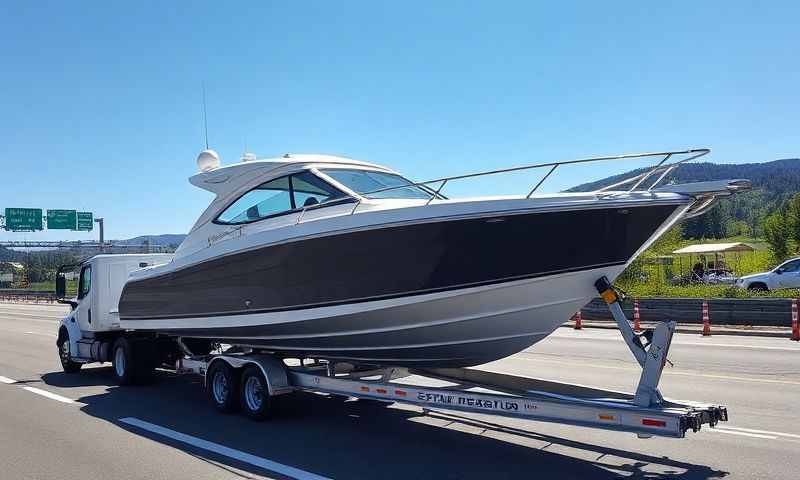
(65, 355)
(255, 399)
(222, 387)
(122, 361)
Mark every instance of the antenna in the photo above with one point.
(205, 115)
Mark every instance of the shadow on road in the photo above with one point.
(340, 438)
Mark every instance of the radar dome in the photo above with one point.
(207, 160)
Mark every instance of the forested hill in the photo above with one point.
(774, 183)
(776, 178)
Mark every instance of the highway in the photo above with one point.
(58, 426)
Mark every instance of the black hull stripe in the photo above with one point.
(396, 262)
(381, 297)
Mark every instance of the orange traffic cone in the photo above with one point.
(636, 326)
(795, 327)
(706, 320)
(578, 321)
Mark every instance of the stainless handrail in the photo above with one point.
(639, 179)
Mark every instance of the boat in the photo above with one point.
(318, 256)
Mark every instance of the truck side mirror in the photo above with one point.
(61, 286)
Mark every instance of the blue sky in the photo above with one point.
(101, 101)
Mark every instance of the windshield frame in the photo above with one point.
(431, 194)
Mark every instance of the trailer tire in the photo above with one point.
(222, 387)
(255, 399)
(65, 355)
(122, 361)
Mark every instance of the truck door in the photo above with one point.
(83, 312)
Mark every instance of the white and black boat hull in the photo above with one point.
(430, 294)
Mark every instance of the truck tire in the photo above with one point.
(123, 362)
(222, 387)
(65, 355)
(255, 399)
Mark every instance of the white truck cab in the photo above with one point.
(94, 313)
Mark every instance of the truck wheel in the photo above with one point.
(255, 399)
(65, 356)
(122, 361)
(222, 387)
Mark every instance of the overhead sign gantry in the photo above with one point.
(32, 220)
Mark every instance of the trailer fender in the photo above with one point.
(69, 324)
(272, 367)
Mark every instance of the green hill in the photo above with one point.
(773, 184)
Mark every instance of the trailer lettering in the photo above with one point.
(489, 404)
(435, 398)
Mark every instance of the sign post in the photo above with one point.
(61, 220)
(24, 219)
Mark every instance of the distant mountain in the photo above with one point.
(775, 178)
(773, 184)
(164, 239)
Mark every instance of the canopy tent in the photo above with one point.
(705, 250)
(701, 248)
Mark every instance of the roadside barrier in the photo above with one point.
(26, 296)
(706, 320)
(636, 326)
(795, 327)
(578, 321)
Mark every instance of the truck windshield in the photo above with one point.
(365, 182)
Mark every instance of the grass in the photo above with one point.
(644, 278)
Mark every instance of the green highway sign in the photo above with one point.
(61, 220)
(23, 219)
(85, 221)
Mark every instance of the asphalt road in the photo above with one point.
(58, 426)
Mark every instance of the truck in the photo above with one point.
(255, 382)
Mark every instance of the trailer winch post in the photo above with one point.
(651, 356)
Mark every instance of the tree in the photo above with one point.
(793, 218)
(777, 233)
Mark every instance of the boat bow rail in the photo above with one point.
(665, 163)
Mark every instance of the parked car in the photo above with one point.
(785, 275)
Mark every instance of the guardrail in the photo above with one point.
(27, 296)
(768, 312)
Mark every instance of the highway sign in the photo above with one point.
(85, 221)
(61, 220)
(23, 219)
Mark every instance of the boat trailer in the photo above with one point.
(646, 412)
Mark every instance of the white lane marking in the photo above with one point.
(51, 322)
(7, 380)
(50, 395)
(41, 334)
(751, 430)
(666, 372)
(52, 318)
(223, 450)
(744, 434)
(680, 342)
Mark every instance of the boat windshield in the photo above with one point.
(365, 182)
